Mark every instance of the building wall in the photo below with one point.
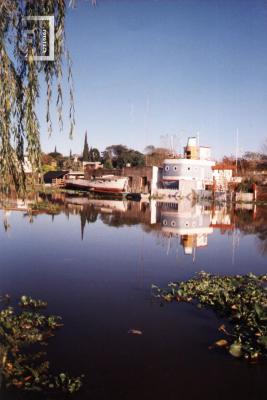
(140, 179)
(185, 224)
(89, 172)
(187, 187)
(156, 176)
(184, 189)
(204, 153)
(223, 173)
(260, 193)
(246, 197)
(188, 169)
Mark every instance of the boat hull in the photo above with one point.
(105, 186)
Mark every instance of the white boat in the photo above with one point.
(101, 184)
(99, 204)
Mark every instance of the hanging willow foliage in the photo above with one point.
(20, 74)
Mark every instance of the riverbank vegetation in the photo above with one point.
(240, 300)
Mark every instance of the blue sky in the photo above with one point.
(147, 68)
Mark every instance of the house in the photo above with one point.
(76, 157)
(223, 175)
(53, 177)
(92, 165)
(74, 175)
(31, 175)
(192, 173)
(190, 222)
(140, 179)
(27, 166)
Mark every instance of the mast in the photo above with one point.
(198, 138)
(236, 148)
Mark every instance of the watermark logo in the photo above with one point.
(40, 34)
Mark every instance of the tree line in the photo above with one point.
(114, 156)
(119, 156)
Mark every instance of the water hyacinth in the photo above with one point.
(242, 300)
(23, 364)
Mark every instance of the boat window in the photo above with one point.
(167, 168)
(173, 223)
(175, 168)
(165, 222)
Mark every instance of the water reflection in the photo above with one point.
(190, 222)
(94, 261)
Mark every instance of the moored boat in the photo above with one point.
(102, 184)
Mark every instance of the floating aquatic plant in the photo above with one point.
(21, 333)
(27, 301)
(242, 300)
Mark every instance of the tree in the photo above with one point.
(20, 75)
(55, 154)
(150, 149)
(229, 160)
(46, 159)
(156, 155)
(135, 158)
(108, 164)
(252, 156)
(86, 155)
(119, 155)
(94, 154)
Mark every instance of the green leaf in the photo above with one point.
(263, 341)
(236, 349)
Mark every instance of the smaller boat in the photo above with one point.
(110, 184)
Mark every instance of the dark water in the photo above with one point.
(95, 263)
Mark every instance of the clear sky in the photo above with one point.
(147, 68)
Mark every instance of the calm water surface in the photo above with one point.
(94, 262)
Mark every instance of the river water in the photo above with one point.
(94, 262)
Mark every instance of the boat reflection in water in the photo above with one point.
(191, 222)
(102, 286)
(102, 205)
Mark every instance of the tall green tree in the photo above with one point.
(94, 154)
(86, 153)
(120, 155)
